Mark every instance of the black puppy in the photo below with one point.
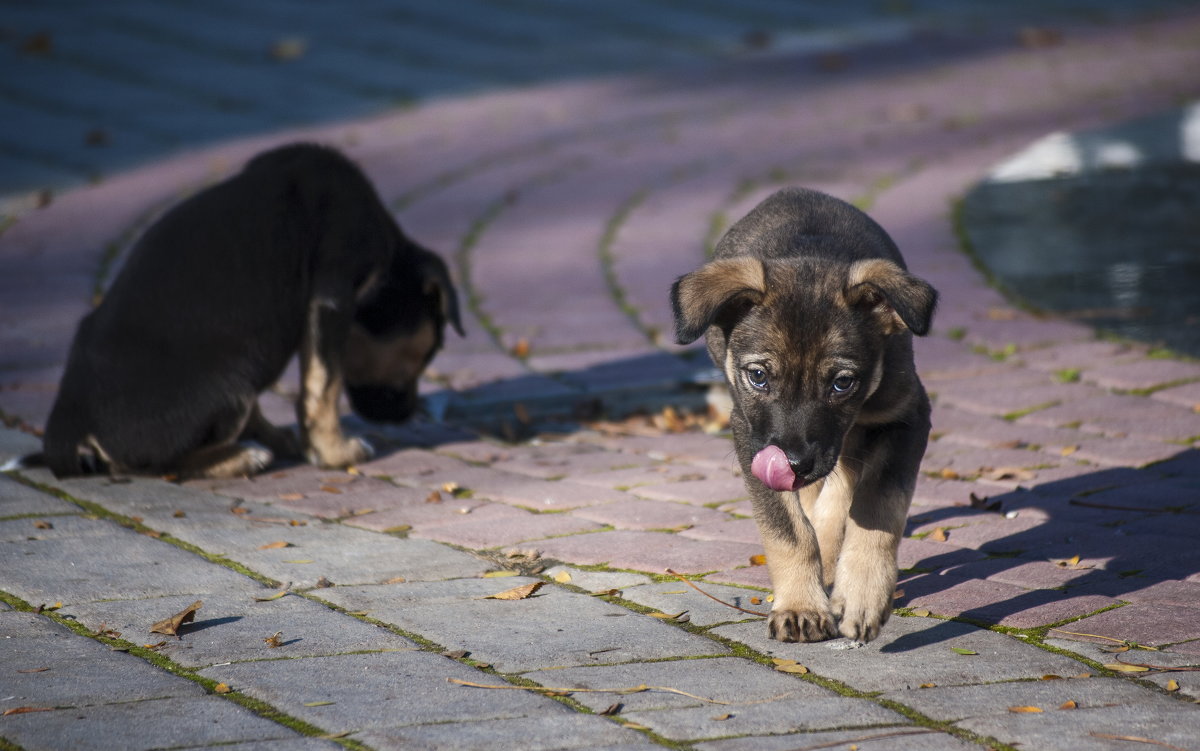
(294, 254)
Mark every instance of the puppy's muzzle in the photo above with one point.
(382, 403)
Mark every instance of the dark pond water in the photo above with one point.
(1118, 249)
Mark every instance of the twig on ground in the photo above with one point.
(715, 599)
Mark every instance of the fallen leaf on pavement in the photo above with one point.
(1172, 685)
(517, 593)
(291, 496)
(274, 640)
(33, 670)
(758, 560)
(1068, 704)
(42, 524)
(170, 626)
(275, 545)
(1123, 667)
(319, 703)
(963, 651)
(500, 574)
(939, 534)
(222, 688)
(563, 577)
(1025, 710)
(25, 710)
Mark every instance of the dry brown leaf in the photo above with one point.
(517, 593)
(275, 596)
(275, 545)
(723, 717)
(397, 529)
(1068, 450)
(563, 577)
(291, 496)
(1025, 710)
(758, 560)
(331, 489)
(996, 474)
(921, 612)
(323, 583)
(612, 709)
(927, 685)
(434, 497)
(1068, 704)
(42, 524)
(170, 626)
(274, 640)
(396, 580)
(1123, 667)
(25, 710)
(949, 474)
(939, 534)
(898, 594)
(1051, 677)
(1172, 685)
(795, 668)
(33, 670)
(156, 645)
(239, 510)
(179, 514)
(500, 574)
(222, 688)
(756, 601)
(521, 348)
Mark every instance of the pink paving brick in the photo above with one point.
(1120, 414)
(995, 602)
(928, 555)
(645, 515)
(652, 552)
(546, 495)
(643, 472)
(749, 576)
(735, 530)
(715, 489)
(1142, 374)
(1008, 393)
(1187, 396)
(1150, 624)
(564, 460)
(482, 534)
(421, 515)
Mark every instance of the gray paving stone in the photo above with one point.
(16, 443)
(17, 498)
(1178, 725)
(1188, 681)
(598, 581)
(233, 628)
(957, 703)
(535, 733)
(122, 565)
(674, 596)
(555, 628)
(783, 716)
(393, 689)
(722, 681)
(138, 725)
(903, 738)
(73, 670)
(912, 651)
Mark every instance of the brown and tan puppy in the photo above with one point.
(294, 255)
(810, 312)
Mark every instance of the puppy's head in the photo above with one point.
(397, 329)
(802, 342)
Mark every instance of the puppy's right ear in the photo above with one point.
(700, 298)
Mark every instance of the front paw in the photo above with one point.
(795, 624)
(342, 454)
(860, 621)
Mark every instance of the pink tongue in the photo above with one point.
(771, 466)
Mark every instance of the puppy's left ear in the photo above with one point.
(899, 299)
(436, 283)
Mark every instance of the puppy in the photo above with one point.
(810, 312)
(295, 254)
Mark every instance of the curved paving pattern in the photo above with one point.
(1055, 517)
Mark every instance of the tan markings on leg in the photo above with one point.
(225, 460)
(317, 407)
(866, 573)
(828, 510)
(801, 610)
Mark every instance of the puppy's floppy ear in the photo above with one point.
(699, 298)
(436, 283)
(899, 299)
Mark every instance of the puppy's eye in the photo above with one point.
(843, 384)
(757, 377)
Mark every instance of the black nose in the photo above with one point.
(803, 465)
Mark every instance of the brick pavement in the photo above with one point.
(1054, 517)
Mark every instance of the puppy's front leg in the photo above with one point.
(801, 611)
(866, 572)
(320, 387)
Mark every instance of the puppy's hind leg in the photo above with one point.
(320, 386)
(225, 460)
(281, 441)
